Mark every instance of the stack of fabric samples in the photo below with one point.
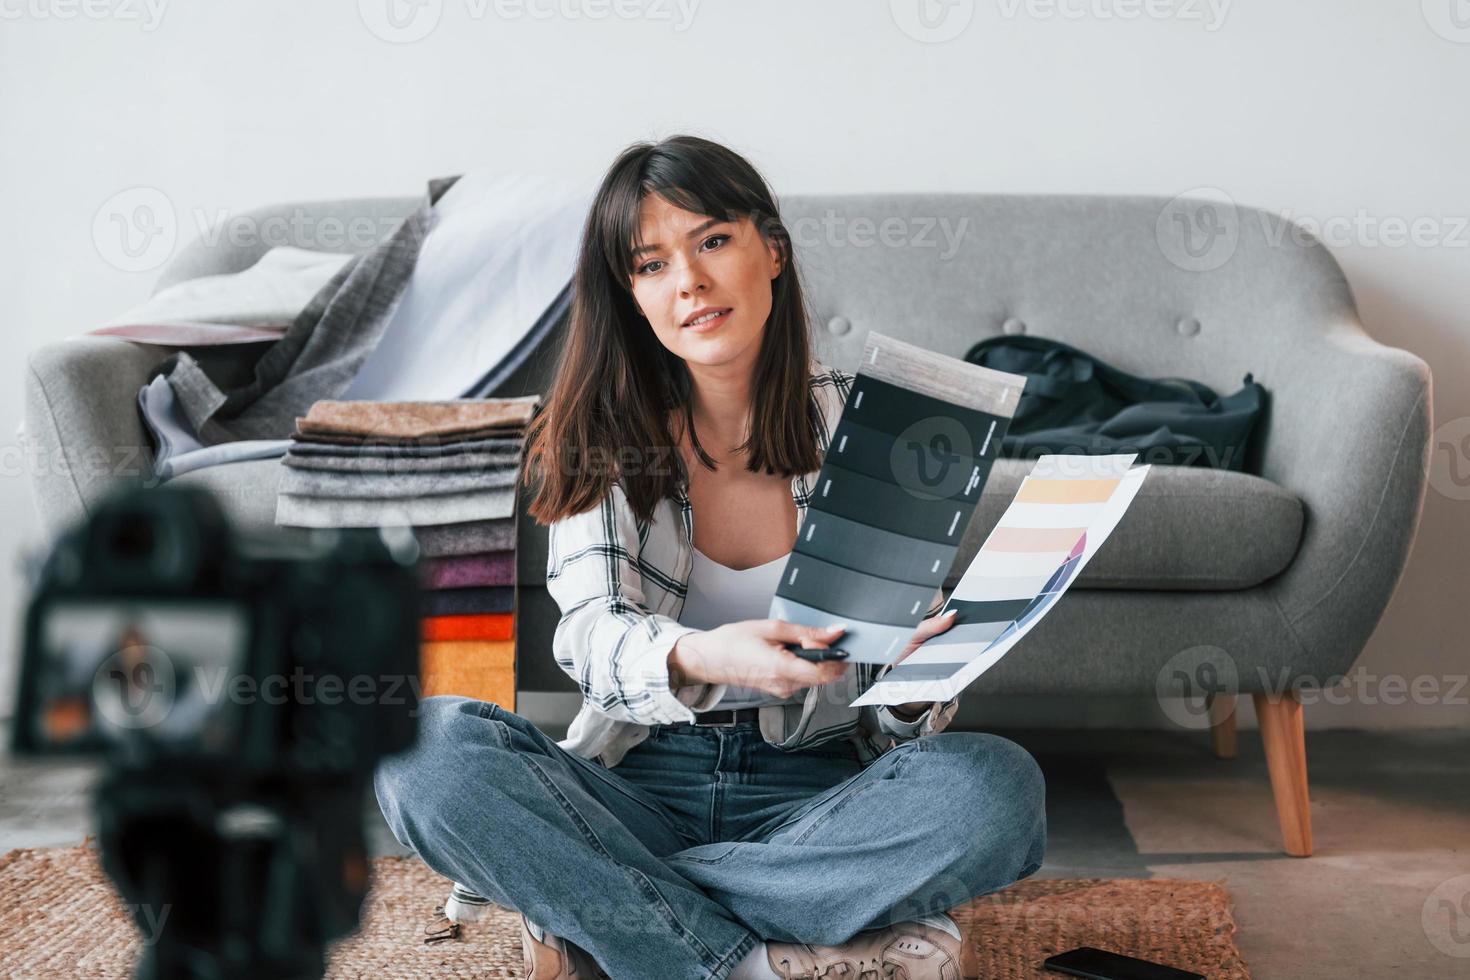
(447, 469)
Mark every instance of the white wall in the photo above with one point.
(1349, 112)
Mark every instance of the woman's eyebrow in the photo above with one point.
(692, 232)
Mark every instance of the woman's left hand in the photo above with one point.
(910, 710)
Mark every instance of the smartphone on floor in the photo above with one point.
(1099, 964)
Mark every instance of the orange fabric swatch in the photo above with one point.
(468, 626)
(473, 669)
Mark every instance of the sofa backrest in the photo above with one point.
(1197, 288)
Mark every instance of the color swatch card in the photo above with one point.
(896, 491)
(1066, 508)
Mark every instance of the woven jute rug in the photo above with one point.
(60, 918)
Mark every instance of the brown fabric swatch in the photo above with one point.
(402, 420)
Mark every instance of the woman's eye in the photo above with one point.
(645, 268)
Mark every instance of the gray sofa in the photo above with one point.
(1216, 581)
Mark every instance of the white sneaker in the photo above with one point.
(932, 948)
(547, 957)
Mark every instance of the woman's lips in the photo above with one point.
(710, 324)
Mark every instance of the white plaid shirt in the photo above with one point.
(621, 582)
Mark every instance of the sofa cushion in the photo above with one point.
(246, 489)
(1182, 533)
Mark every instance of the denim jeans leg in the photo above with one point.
(926, 826)
(487, 799)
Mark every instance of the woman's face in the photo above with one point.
(691, 262)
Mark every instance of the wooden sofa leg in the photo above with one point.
(1221, 709)
(1286, 757)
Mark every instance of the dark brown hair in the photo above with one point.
(604, 419)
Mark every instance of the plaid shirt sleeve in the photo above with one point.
(607, 640)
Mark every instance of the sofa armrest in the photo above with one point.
(1350, 435)
(83, 437)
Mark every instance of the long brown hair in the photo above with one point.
(604, 419)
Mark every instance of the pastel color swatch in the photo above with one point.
(1064, 511)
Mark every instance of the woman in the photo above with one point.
(717, 809)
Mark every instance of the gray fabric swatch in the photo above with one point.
(467, 538)
(393, 486)
(467, 602)
(320, 353)
(404, 464)
(449, 508)
(457, 448)
(347, 441)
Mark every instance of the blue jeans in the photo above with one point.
(703, 841)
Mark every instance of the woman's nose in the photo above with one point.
(692, 277)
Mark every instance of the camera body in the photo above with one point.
(239, 690)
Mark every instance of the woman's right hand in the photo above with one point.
(752, 653)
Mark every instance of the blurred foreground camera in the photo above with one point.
(240, 689)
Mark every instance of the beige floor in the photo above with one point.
(1382, 895)
(1390, 821)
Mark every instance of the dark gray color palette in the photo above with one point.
(898, 486)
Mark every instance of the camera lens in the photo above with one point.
(133, 541)
(156, 540)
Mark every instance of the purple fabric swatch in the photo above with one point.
(463, 571)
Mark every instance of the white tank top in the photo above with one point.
(719, 594)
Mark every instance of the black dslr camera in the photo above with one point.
(240, 689)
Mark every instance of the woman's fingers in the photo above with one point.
(788, 632)
(805, 673)
(937, 624)
(798, 670)
(928, 628)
